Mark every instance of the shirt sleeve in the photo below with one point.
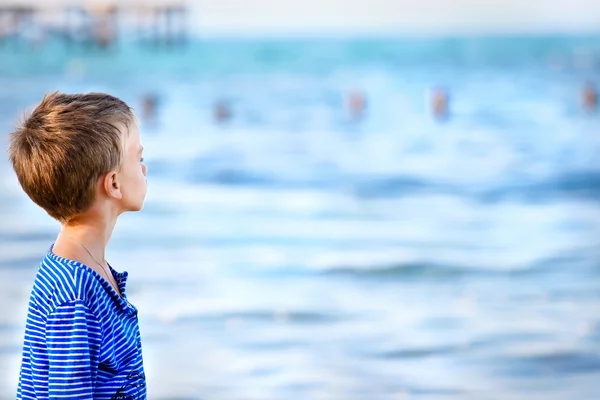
(73, 341)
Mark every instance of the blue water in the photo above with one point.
(297, 253)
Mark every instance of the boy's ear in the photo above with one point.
(112, 186)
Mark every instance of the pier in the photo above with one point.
(101, 25)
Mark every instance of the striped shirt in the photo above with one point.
(82, 339)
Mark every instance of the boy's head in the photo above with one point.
(75, 148)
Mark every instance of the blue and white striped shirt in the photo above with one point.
(82, 339)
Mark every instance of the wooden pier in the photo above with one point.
(94, 24)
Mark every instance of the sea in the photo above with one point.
(299, 251)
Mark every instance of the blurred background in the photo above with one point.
(347, 199)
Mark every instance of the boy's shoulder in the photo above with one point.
(60, 281)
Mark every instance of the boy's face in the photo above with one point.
(132, 175)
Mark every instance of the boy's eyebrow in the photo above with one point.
(141, 149)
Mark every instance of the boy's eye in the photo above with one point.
(142, 159)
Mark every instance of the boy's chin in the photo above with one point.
(138, 208)
(135, 207)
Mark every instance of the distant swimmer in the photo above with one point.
(3, 33)
(589, 97)
(356, 104)
(149, 107)
(439, 103)
(221, 111)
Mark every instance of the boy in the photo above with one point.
(79, 157)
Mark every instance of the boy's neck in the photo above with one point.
(94, 234)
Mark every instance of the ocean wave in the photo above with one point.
(558, 363)
(422, 352)
(485, 342)
(422, 271)
(393, 187)
(191, 314)
(34, 236)
(21, 262)
(233, 177)
(581, 185)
